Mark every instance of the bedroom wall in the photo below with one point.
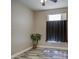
(21, 27)
(40, 25)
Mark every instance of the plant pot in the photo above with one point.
(34, 46)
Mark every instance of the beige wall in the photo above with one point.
(22, 27)
(40, 25)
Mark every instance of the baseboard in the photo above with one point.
(61, 48)
(16, 54)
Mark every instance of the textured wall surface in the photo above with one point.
(22, 27)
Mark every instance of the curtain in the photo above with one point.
(56, 31)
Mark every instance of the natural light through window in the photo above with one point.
(54, 17)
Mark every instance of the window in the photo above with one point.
(54, 17)
(56, 28)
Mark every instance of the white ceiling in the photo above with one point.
(36, 5)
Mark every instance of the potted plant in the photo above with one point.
(35, 38)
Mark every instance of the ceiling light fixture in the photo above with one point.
(43, 2)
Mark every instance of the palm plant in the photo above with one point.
(35, 38)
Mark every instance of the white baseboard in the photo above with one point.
(61, 48)
(16, 54)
